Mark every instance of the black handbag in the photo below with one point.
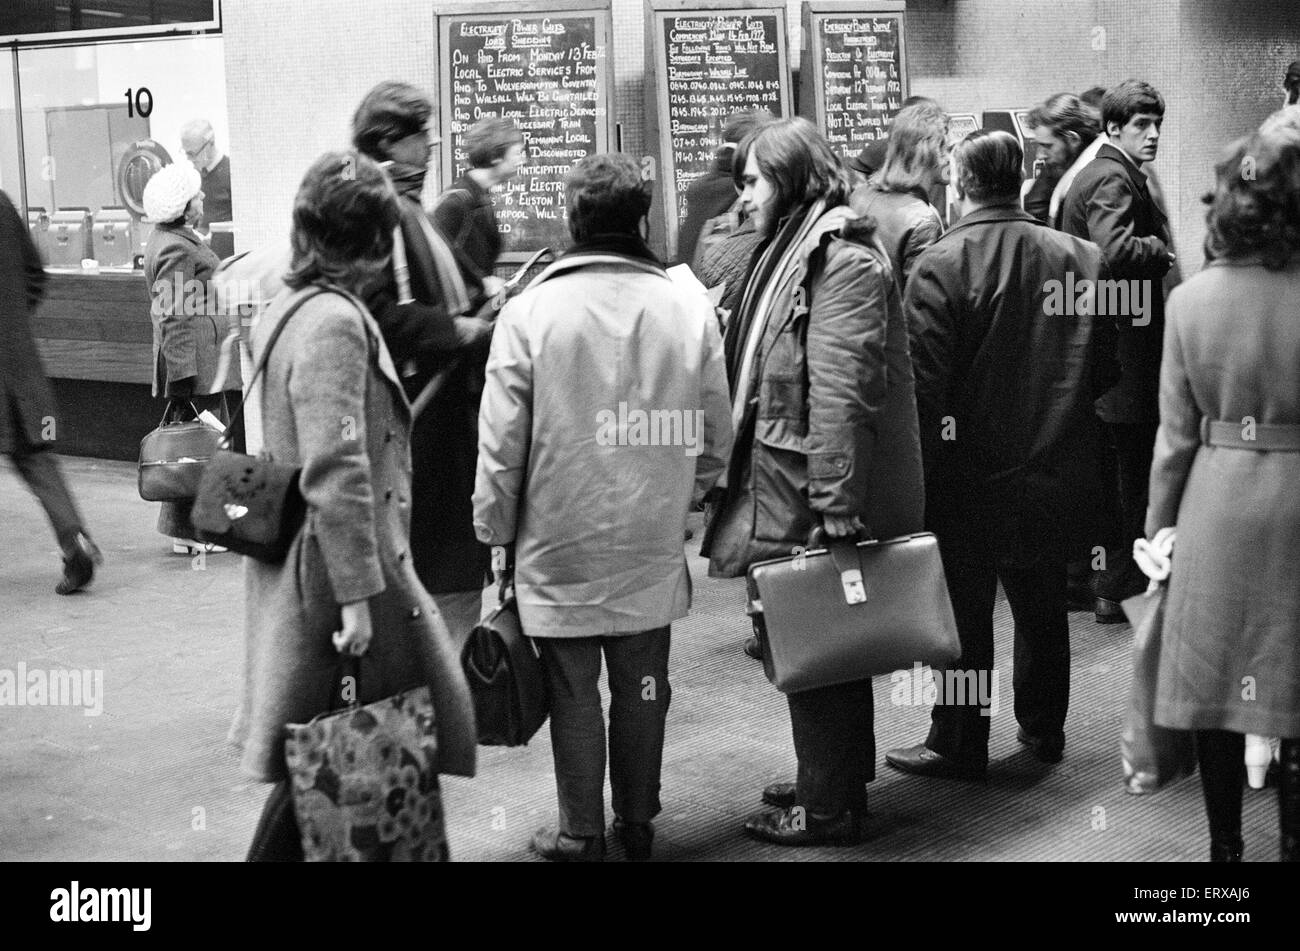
(506, 679)
(851, 611)
(249, 504)
(172, 458)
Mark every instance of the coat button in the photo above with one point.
(388, 436)
(415, 613)
(388, 496)
(401, 556)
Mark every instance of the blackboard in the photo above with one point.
(548, 68)
(854, 71)
(710, 59)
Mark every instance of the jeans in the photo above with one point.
(639, 697)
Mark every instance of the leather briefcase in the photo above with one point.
(172, 458)
(506, 679)
(851, 611)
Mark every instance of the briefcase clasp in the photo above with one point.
(855, 591)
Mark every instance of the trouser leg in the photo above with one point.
(1036, 591)
(1222, 757)
(835, 743)
(957, 730)
(638, 709)
(1288, 801)
(572, 666)
(277, 838)
(1134, 447)
(40, 470)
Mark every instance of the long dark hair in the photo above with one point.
(799, 163)
(1255, 205)
(343, 221)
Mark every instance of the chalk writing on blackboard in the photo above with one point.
(861, 81)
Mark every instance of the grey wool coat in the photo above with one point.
(1230, 646)
(191, 337)
(26, 399)
(332, 404)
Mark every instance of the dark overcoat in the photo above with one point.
(1230, 654)
(26, 400)
(1006, 373)
(333, 405)
(1110, 204)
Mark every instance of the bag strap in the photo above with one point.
(266, 356)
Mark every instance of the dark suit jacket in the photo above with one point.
(465, 218)
(1004, 385)
(1110, 204)
(707, 197)
(25, 395)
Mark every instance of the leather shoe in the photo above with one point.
(1106, 611)
(753, 648)
(923, 761)
(795, 827)
(636, 838)
(78, 564)
(556, 846)
(780, 795)
(1048, 749)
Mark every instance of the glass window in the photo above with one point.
(97, 120)
(36, 20)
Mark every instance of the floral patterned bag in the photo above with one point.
(365, 782)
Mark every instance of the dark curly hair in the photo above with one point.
(606, 195)
(1255, 205)
(343, 221)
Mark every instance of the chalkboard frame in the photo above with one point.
(664, 221)
(606, 131)
(812, 92)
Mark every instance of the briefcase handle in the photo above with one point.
(847, 560)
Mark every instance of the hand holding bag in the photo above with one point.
(505, 678)
(249, 504)
(364, 779)
(172, 458)
(1153, 756)
(851, 611)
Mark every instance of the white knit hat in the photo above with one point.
(169, 191)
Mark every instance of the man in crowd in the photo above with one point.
(1110, 204)
(27, 419)
(595, 507)
(714, 192)
(200, 145)
(1066, 130)
(496, 152)
(1004, 388)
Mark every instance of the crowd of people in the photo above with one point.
(870, 373)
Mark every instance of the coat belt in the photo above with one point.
(1267, 437)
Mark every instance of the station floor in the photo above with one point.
(152, 779)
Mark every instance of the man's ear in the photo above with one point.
(1112, 129)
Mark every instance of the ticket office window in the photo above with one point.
(93, 119)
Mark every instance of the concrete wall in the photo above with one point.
(295, 71)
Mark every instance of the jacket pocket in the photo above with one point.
(781, 510)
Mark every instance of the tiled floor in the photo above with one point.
(151, 778)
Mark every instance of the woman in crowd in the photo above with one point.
(333, 405)
(194, 344)
(439, 352)
(898, 196)
(1227, 463)
(826, 436)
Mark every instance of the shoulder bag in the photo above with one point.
(249, 504)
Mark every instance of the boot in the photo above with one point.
(1288, 801)
(1225, 850)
